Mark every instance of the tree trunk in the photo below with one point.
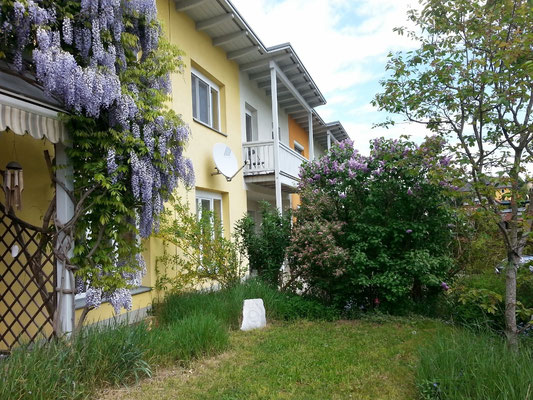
(510, 301)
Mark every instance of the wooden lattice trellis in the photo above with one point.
(27, 283)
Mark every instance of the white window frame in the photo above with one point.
(211, 197)
(299, 148)
(251, 112)
(212, 86)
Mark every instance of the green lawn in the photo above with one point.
(301, 360)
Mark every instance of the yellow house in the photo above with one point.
(233, 91)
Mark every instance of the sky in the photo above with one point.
(344, 46)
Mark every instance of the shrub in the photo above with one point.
(374, 231)
(478, 300)
(203, 254)
(475, 366)
(266, 245)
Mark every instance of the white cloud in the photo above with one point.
(342, 43)
(362, 133)
(333, 38)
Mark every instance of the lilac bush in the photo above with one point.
(109, 66)
(373, 230)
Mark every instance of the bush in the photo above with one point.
(476, 366)
(374, 231)
(478, 300)
(266, 245)
(204, 255)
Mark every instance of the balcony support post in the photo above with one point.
(329, 140)
(275, 133)
(311, 137)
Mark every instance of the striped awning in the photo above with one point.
(29, 120)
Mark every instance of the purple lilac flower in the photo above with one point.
(409, 231)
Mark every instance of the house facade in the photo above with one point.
(258, 101)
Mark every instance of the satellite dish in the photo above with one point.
(225, 161)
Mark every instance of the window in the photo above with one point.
(210, 204)
(250, 115)
(298, 148)
(205, 100)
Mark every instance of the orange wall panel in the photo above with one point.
(296, 132)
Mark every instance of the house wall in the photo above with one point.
(297, 133)
(258, 99)
(36, 197)
(212, 62)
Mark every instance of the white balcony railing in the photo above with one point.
(260, 157)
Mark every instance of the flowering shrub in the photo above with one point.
(374, 230)
(108, 64)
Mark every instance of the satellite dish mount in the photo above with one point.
(225, 162)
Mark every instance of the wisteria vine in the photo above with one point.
(109, 65)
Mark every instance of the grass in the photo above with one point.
(304, 353)
(462, 364)
(303, 360)
(191, 326)
(72, 370)
(226, 305)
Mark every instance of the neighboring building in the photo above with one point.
(233, 90)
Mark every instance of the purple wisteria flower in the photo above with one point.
(79, 62)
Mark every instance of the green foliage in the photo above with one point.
(203, 254)
(477, 366)
(478, 247)
(470, 78)
(374, 231)
(478, 300)
(109, 208)
(226, 304)
(266, 245)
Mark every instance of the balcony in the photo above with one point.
(260, 167)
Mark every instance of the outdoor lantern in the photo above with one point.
(13, 185)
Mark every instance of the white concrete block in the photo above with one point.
(253, 314)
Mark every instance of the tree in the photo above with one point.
(374, 230)
(471, 80)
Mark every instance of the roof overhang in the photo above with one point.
(229, 31)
